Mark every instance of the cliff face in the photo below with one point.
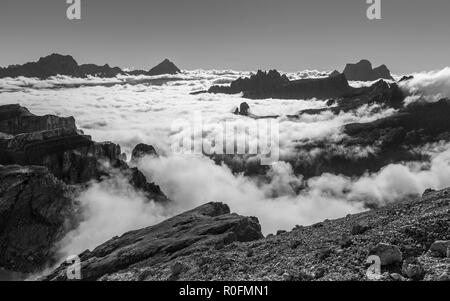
(36, 210)
(41, 170)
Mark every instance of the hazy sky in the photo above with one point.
(289, 35)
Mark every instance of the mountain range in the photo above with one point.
(57, 64)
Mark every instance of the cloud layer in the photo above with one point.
(129, 111)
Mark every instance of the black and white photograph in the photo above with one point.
(232, 142)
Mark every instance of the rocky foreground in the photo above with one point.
(411, 238)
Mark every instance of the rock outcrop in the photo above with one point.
(15, 119)
(71, 156)
(208, 227)
(363, 71)
(141, 150)
(36, 210)
(390, 140)
(56, 64)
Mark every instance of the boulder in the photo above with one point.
(413, 269)
(36, 210)
(202, 228)
(440, 248)
(359, 228)
(389, 254)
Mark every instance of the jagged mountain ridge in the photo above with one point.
(57, 64)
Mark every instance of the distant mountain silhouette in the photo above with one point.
(165, 67)
(363, 71)
(57, 64)
(274, 85)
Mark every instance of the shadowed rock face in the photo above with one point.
(70, 156)
(363, 71)
(210, 226)
(56, 64)
(15, 119)
(36, 210)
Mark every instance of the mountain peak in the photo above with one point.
(165, 67)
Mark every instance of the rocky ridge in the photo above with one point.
(56, 64)
(274, 85)
(208, 243)
(193, 232)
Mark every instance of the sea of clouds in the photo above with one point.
(131, 110)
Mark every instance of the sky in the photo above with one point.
(287, 35)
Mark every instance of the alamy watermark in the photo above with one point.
(374, 10)
(73, 269)
(254, 137)
(73, 11)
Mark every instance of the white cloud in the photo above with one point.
(430, 86)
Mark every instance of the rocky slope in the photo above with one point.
(56, 64)
(411, 239)
(210, 226)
